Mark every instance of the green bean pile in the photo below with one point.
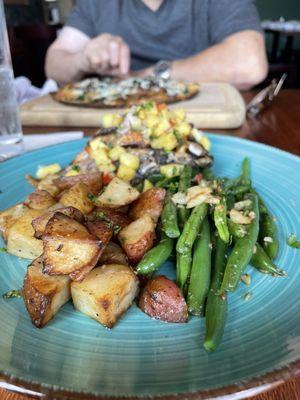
(212, 251)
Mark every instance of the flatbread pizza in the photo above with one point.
(112, 93)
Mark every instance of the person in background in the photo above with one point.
(192, 40)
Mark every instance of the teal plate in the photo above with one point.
(144, 357)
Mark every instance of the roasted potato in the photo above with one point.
(105, 293)
(78, 197)
(39, 223)
(9, 216)
(44, 295)
(69, 248)
(48, 184)
(101, 229)
(113, 254)
(111, 215)
(20, 237)
(40, 200)
(150, 202)
(92, 180)
(162, 299)
(116, 194)
(137, 238)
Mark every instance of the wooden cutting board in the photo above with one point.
(218, 105)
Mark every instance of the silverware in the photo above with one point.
(265, 97)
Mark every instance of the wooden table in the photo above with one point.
(278, 126)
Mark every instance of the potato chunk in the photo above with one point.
(137, 238)
(39, 224)
(44, 295)
(40, 200)
(150, 202)
(78, 196)
(162, 299)
(9, 216)
(116, 194)
(113, 254)
(20, 237)
(93, 180)
(69, 248)
(106, 293)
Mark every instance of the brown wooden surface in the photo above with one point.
(278, 126)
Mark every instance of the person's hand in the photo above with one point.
(106, 54)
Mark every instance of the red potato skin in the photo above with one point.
(150, 202)
(162, 299)
(136, 251)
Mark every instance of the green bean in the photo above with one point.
(183, 267)
(191, 228)
(216, 307)
(242, 250)
(236, 230)
(200, 272)
(220, 219)
(184, 184)
(240, 189)
(245, 175)
(169, 218)
(155, 257)
(263, 263)
(260, 260)
(208, 174)
(268, 235)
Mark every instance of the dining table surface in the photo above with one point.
(277, 126)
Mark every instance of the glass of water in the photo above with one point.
(10, 123)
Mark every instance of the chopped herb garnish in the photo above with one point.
(293, 242)
(75, 167)
(91, 196)
(146, 106)
(101, 215)
(12, 294)
(117, 229)
(3, 250)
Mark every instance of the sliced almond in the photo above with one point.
(239, 218)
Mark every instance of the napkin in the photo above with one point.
(33, 142)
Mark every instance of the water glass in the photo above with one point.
(10, 123)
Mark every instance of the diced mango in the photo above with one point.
(126, 173)
(45, 170)
(111, 120)
(147, 185)
(72, 172)
(167, 142)
(151, 121)
(100, 156)
(163, 126)
(171, 170)
(130, 160)
(97, 143)
(205, 142)
(115, 153)
(183, 129)
(106, 167)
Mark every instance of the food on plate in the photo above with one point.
(138, 237)
(149, 203)
(111, 92)
(116, 194)
(20, 239)
(43, 294)
(162, 299)
(106, 293)
(69, 248)
(141, 193)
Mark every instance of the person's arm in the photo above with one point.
(74, 54)
(240, 60)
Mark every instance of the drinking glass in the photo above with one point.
(10, 123)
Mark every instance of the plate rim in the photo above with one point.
(259, 383)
